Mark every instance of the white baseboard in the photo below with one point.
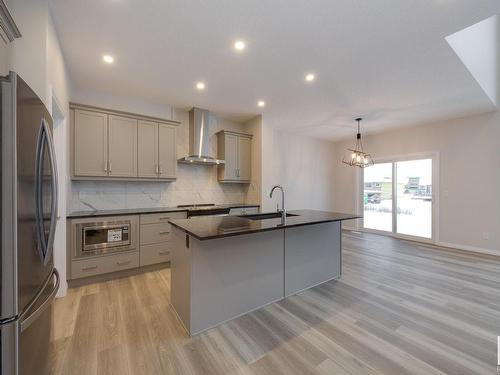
(469, 248)
(348, 227)
(450, 245)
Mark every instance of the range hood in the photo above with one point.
(199, 140)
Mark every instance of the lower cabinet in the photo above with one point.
(151, 239)
(154, 233)
(103, 264)
(155, 237)
(155, 253)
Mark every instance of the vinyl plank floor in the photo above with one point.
(399, 308)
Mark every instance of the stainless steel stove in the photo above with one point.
(205, 209)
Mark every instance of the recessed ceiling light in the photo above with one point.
(261, 103)
(239, 45)
(310, 77)
(200, 85)
(108, 59)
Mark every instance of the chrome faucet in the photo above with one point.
(283, 209)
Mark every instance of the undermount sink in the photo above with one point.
(271, 215)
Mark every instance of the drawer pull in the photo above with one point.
(164, 233)
(89, 268)
(123, 263)
(163, 252)
(164, 218)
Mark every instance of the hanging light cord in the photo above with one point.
(359, 143)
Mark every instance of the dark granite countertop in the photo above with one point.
(135, 211)
(211, 227)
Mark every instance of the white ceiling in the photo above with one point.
(386, 60)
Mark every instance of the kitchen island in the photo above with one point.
(223, 267)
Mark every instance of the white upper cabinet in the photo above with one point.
(108, 145)
(229, 153)
(157, 150)
(244, 158)
(90, 146)
(167, 151)
(147, 141)
(4, 70)
(236, 150)
(122, 146)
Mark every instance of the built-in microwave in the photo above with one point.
(102, 237)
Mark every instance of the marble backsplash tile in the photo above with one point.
(194, 184)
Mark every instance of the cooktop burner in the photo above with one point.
(204, 209)
(197, 206)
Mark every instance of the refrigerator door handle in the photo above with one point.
(27, 321)
(45, 138)
(54, 193)
(38, 192)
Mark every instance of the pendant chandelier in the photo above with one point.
(356, 157)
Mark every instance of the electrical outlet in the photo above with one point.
(486, 235)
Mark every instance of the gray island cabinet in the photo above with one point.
(224, 267)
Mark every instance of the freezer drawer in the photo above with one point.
(34, 345)
(8, 345)
(25, 347)
(35, 325)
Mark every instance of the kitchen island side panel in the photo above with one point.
(234, 275)
(180, 277)
(312, 255)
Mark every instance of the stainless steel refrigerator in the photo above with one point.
(28, 280)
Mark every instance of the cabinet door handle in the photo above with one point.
(89, 268)
(156, 169)
(109, 167)
(123, 263)
(106, 166)
(160, 169)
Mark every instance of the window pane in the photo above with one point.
(377, 197)
(414, 197)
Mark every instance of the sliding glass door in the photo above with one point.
(397, 198)
(377, 197)
(414, 198)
